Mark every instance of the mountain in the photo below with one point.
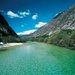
(64, 20)
(60, 31)
(7, 34)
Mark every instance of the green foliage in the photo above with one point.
(64, 38)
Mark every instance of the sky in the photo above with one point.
(26, 16)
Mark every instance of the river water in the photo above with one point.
(35, 58)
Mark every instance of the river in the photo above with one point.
(35, 58)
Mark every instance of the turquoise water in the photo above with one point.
(35, 58)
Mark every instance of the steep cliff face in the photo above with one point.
(7, 34)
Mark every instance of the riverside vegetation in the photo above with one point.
(60, 31)
(63, 38)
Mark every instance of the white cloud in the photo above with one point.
(22, 25)
(26, 32)
(40, 24)
(19, 14)
(25, 13)
(34, 17)
(57, 14)
(13, 15)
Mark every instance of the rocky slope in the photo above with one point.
(60, 31)
(7, 34)
(64, 20)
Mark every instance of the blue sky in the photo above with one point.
(26, 16)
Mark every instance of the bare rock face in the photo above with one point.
(60, 31)
(7, 34)
(64, 20)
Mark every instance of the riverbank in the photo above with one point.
(62, 38)
(7, 45)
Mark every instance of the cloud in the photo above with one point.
(19, 14)
(40, 24)
(26, 32)
(25, 13)
(34, 17)
(13, 15)
(57, 14)
(22, 25)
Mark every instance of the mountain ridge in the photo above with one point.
(62, 25)
(57, 22)
(7, 34)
